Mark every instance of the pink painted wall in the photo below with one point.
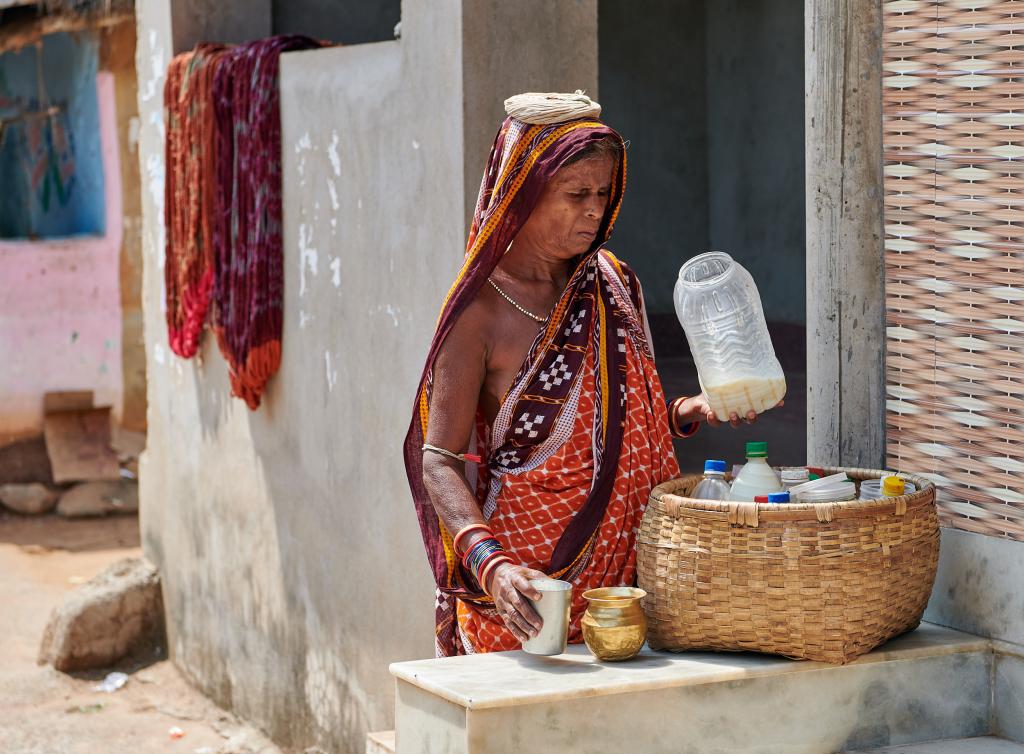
(60, 306)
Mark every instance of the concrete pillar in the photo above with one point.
(845, 252)
(525, 46)
(289, 551)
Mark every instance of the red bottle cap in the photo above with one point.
(760, 498)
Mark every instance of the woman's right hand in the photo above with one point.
(512, 592)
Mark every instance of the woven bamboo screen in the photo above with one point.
(954, 213)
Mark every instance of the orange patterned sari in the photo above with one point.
(534, 508)
(582, 435)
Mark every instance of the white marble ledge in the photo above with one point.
(507, 679)
(380, 742)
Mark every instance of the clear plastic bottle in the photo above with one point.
(719, 307)
(713, 486)
(756, 477)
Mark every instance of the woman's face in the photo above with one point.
(569, 212)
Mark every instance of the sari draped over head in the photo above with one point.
(582, 435)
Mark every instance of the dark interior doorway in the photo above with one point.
(344, 21)
(709, 94)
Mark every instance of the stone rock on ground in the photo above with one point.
(100, 499)
(28, 499)
(109, 617)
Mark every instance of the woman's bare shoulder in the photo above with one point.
(471, 335)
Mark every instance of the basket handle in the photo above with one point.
(743, 514)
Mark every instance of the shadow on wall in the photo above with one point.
(282, 496)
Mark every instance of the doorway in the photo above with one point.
(709, 96)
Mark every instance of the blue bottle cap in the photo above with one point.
(714, 466)
(778, 497)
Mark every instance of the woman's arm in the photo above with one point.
(459, 372)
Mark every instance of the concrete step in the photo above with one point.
(982, 745)
(381, 742)
(931, 684)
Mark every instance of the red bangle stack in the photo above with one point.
(688, 430)
(488, 567)
(458, 540)
(483, 556)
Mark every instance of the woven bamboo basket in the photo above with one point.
(821, 581)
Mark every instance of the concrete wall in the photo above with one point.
(60, 312)
(527, 46)
(979, 589)
(291, 560)
(117, 56)
(710, 95)
(51, 168)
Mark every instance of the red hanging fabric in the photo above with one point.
(248, 264)
(189, 192)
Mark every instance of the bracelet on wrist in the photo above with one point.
(673, 414)
(459, 540)
(489, 568)
(482, 558)
(479, 552)
(688, 429)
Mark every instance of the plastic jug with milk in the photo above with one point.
(720, 310)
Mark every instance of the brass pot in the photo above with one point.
(614, 626)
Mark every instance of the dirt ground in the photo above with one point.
(43, 711)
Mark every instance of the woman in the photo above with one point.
(541, 425)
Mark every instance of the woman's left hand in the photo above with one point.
(697, 409)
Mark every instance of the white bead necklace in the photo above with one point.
(512, 301)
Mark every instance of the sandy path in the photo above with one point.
(43, 711)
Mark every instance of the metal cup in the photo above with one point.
(553, 608)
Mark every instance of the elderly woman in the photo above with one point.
(541, 425)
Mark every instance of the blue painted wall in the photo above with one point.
(51, 169)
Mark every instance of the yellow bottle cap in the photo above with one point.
(893, 486)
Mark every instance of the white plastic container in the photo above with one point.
(720, 310)
(871, 489)
(756, 477)
(791, 477)
(713, 486)
(834, 493)
(820, 483)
